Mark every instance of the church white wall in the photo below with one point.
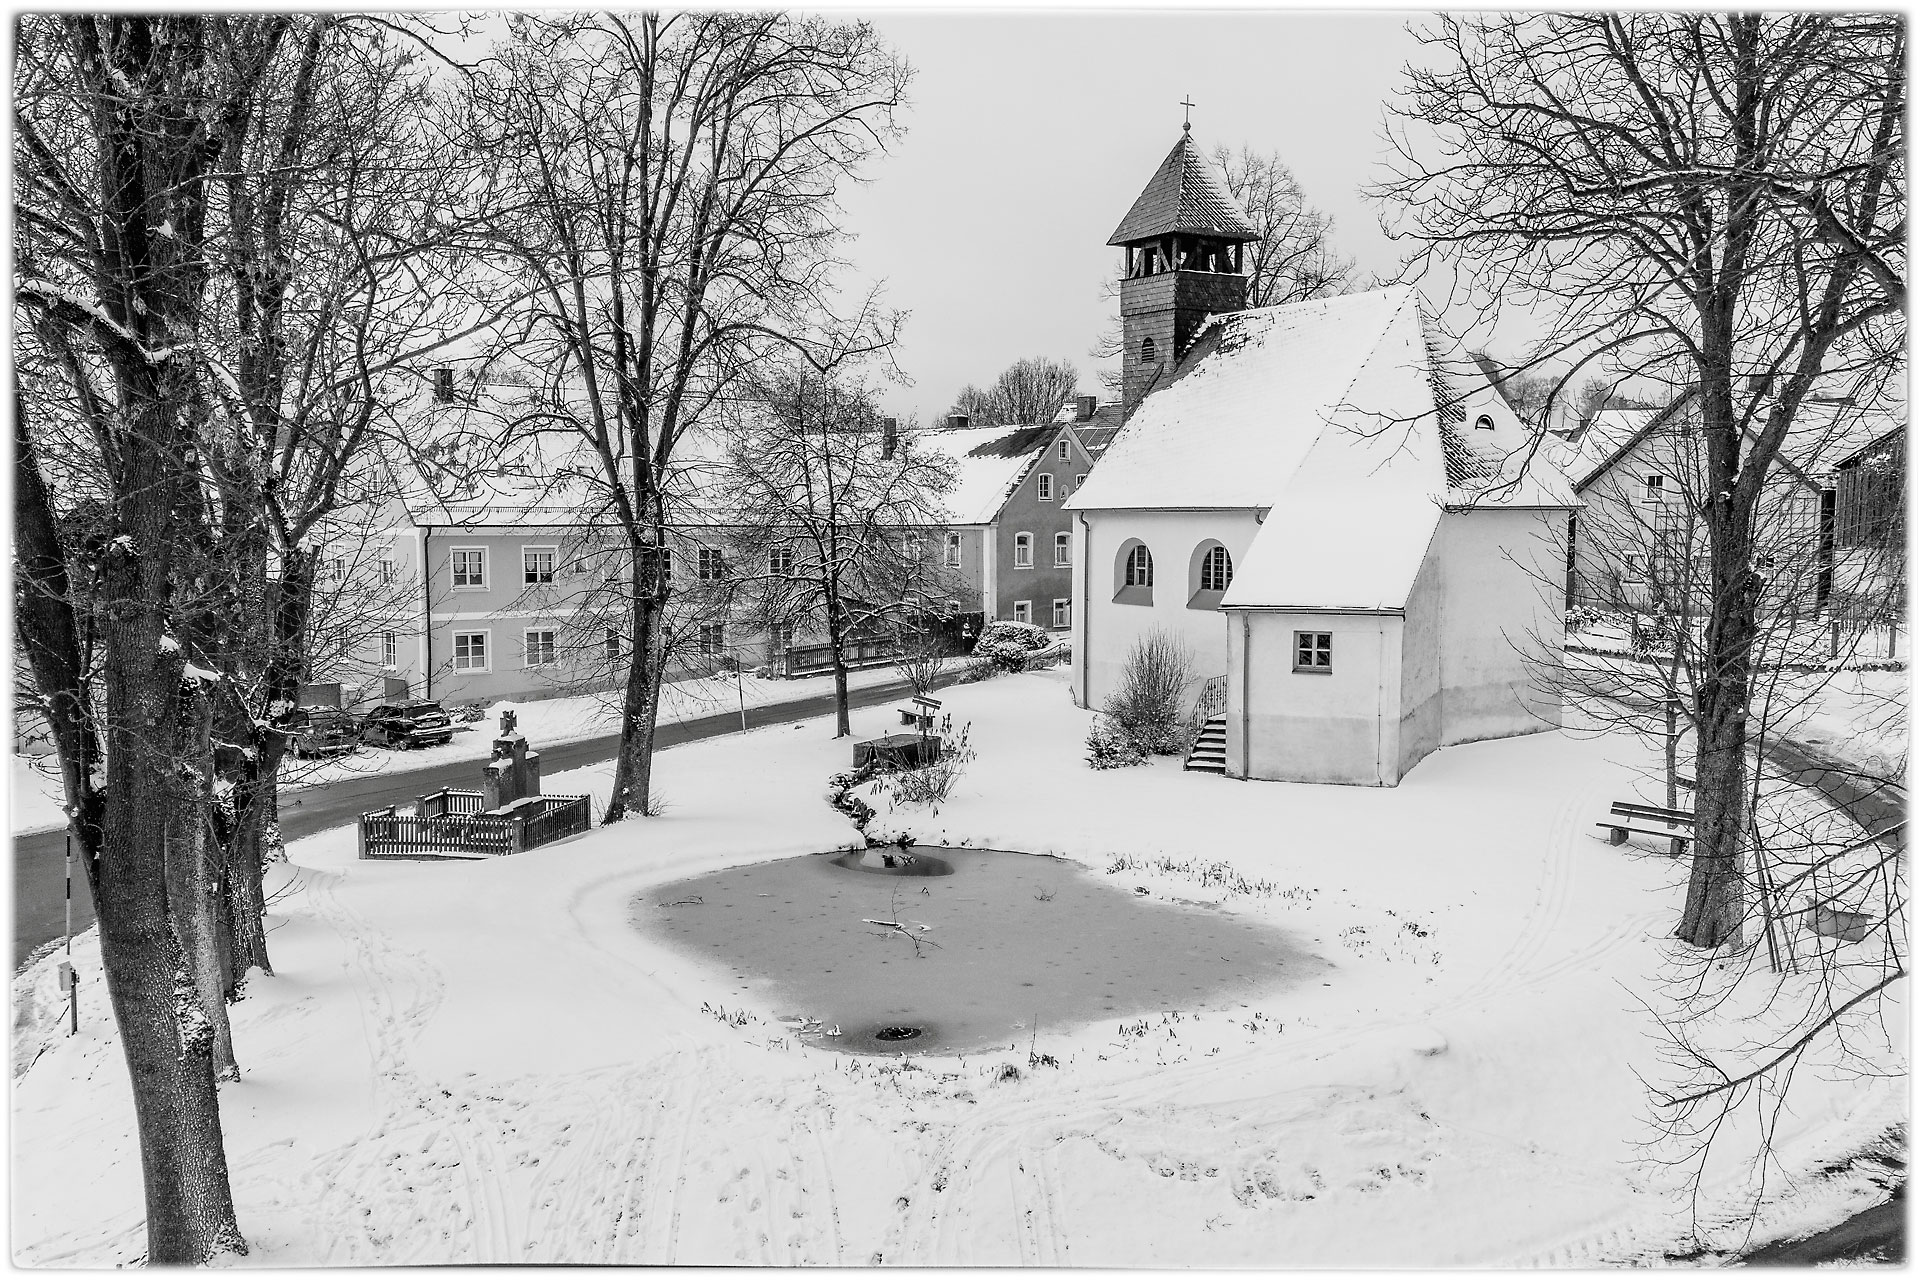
(1421, 709)
(1501, 623)
(1342, 726)
(1105, 630)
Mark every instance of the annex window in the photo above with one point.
(712, 565)
(469, 568)
(1062, 614)
(953, 551)
(1313, 651)
(1046, 487)
(713, 639)
(780, 561)
(1023, 611)
(1654, 490)
(1062, 550)
(470, 651)
(1066, 451)
(1023, 551)
(1146, 351)
(542, 649)
(536, 565)
(389, 649)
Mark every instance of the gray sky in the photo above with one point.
(1030, 134)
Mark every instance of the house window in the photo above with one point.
(782, 637)
(1046, 487)
(713, 639)
(443, 385)
(1062, 614)
(1066, 451)
(1636, 570)
(1062, 550)
(953, 551)
(469, 569)
(913, 547)
(389, 649)
(1483, 423)
(470, 651)
(1216, 570)
(541, 649)
(1023, 611)
(1146, 351)
(780, 562)
(387, 570)
(612, 645)
(712, 565)
(330, 569)
(537, 565)
(1139, 566)
(1655, 491)
(1080, 482)
(1023, 551)
(1313, 651)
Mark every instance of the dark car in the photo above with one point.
(321, 731)
(406, 724)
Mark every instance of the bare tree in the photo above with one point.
(118, 139)
(1715, 200)
(838, 520)
(1294, 259)
(661, 188)
(1027, 392)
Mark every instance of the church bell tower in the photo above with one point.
(1184, 240)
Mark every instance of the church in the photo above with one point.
(1364, 560)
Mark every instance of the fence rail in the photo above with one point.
(449, 824)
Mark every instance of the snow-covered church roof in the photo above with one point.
(1324, 416)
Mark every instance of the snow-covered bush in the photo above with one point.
(1652, 633)
(1109, 748)
(1581, 617)
(977, 670)
(1009, 643)
(1149, 706)
(932, 784)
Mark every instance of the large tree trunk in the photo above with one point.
(633, 767)
(195, 896)
(842, 723)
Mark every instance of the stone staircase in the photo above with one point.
(1209, 754)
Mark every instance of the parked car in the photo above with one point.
(406, 724)
(321, 731)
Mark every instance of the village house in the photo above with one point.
(1362, 561)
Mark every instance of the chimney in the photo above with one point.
(957, 421)
(443, 385)
(889, 436)
(1083, 407)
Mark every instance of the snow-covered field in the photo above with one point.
(36, 804)
(484, 1062)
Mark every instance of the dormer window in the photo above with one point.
(1483, 423)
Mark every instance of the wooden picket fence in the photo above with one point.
(449, 824)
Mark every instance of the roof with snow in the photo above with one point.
(1186, 194)
(1824, 434)
(988, 463)
(1329, 415)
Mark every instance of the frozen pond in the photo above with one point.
(992, 945)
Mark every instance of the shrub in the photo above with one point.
(931, 785)
(1149, 706)
(1109, 748)
(1009, 643)
(977, 670)
(1582, 617)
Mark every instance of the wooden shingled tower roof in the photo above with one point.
(1186, 194)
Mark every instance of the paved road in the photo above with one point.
(39, 861)
(1878, 1234)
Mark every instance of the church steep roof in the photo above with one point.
(1186, 194)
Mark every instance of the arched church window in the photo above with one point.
(1146, 351)
(1216, 570)
(1140, 566)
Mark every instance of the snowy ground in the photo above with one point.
(484, 1062)
(35, 803)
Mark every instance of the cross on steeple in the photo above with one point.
(1189, 104)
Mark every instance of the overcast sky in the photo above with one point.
(1030, 134)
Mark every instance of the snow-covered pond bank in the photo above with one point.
(485, 1062)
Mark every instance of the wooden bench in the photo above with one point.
(1625, 813)
(920, 714)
